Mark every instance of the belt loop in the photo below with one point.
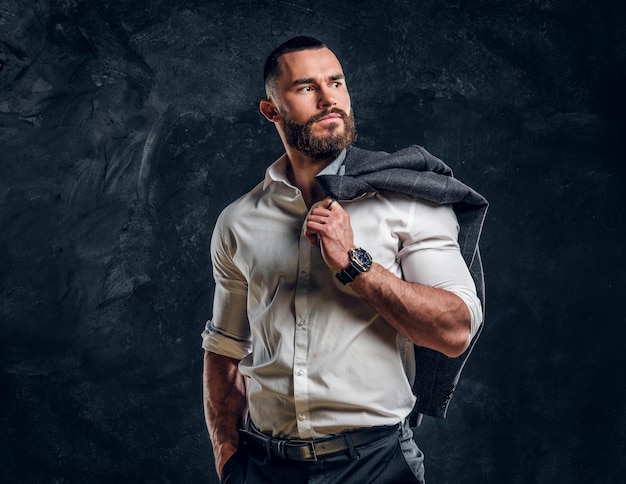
(314, 451)
(348, 438)
(281, 449)
(268, 448)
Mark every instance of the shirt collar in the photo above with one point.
(336, 167)
(277, 171)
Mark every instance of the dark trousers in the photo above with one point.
(393, 459)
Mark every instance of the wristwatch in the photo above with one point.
(360, 262)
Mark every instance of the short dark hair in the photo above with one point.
(271, 70)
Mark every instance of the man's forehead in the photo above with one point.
(310, 63)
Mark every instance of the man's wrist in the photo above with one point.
(360, 261)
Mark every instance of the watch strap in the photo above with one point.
(348, 274)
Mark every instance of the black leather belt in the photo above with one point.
(312, 450)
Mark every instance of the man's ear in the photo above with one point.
(269, 110)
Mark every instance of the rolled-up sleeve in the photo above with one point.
(227, 333)
(430, 255)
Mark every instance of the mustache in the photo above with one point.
(323, 114)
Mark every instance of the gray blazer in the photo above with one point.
(416, 172)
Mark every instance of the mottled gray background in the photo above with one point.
(126, 126)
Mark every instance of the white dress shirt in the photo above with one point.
(320, 360)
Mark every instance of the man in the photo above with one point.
(319, 302)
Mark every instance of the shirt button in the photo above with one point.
(302, 416)
(299, 373)
(301, 323)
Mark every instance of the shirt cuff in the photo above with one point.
(475, 309)
(216, 341)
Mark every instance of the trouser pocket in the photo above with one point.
(234, 471)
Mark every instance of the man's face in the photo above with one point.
(313, 103)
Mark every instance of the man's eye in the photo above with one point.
(306, 88)
(336, 84)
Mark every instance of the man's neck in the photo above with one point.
(301, 172)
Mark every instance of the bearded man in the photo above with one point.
(321, 301)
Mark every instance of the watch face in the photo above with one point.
(362, 257)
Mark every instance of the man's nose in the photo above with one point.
(327, 98)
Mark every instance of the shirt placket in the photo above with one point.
(301, 340)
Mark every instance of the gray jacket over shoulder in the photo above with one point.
(414, 171)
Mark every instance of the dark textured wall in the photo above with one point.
(126, 126)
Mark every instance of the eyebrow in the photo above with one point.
(311, 80)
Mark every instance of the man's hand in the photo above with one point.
(329, 224)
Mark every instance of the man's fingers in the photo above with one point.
(312, 238)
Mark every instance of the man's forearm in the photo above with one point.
(225, 405)
(430, 317)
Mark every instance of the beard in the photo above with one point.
(300, 135)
